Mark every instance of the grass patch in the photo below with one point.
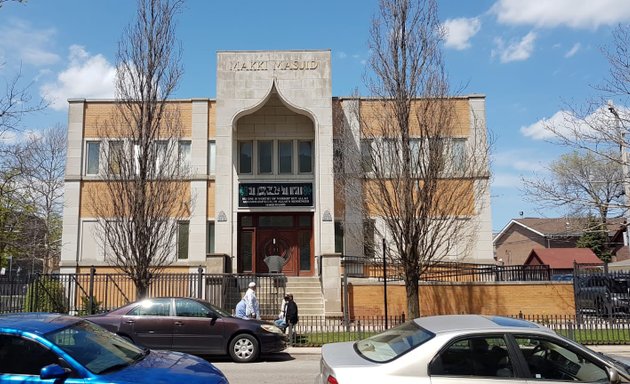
(598, 336)
(318, 339)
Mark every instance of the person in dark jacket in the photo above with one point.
(288, 312)
(291, 311)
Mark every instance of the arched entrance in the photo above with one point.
(276, 242)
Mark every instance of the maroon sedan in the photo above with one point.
(192, 326)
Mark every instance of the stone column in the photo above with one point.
(331, 284)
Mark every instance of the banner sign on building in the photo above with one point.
(275, 195)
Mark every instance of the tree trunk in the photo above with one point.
(413, 297)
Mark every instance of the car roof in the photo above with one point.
(451, 323)
(39, 323)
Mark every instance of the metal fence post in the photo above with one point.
(91, 291)
(199, 281)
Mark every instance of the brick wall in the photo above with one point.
(535, 298)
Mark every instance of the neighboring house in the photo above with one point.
(561, 260)
(263, 171)
(515, 242)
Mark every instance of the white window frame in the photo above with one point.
(98, 157)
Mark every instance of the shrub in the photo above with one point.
(85, 306)
(45, 294)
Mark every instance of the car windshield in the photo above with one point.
(392, 343)
(95, 348)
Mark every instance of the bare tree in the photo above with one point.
(599, 126)
(424, 169)
(144, 193)
(584, 183)
(44, 158)
(15, 102)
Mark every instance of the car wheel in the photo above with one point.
(244, 348)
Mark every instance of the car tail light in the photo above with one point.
(331, 380)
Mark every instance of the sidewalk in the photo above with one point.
(303, 350)
(616, 350)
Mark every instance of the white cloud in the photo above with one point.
(85, 77)
(460, 31)
(538, 130)
(519, 160)
(506, 180)
(569, 13)
(26, 44)
(515, 51)
(576, 47)
(597, 125)
(342, 55)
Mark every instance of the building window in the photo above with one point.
(183, 231)
(285, 156)
(366, 155)
(338, 237)
(245, 157)
(305, 156)
(161, 151)
(265, 156)
(115, 158)
(183, 151)
(459, 154)
(369, 231)
(338, 156)
(212, 157)
(93, 157)
(210, 233)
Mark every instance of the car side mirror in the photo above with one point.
(613, 375)
(54, 371)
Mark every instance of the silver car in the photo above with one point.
(466, 348)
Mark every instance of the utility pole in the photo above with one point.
(624, 161)
(385, 280)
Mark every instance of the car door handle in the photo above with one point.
(179, 323)
(129, 322)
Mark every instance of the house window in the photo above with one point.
(210, 233)
(305, 156)
(265, 156)
(245, 157)
(212, 156)
(183, 151)
(93, 157)
(285, 156)
(115, 158)
(183, 231)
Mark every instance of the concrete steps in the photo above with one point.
(307, 294)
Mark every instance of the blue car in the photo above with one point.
(44, 347)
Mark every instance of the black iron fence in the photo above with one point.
(82, 294)
(589, 330)
(358, 266)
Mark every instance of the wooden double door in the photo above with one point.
(269, 241)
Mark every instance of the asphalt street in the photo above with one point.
(295, 367)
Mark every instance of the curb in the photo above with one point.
(303, 351)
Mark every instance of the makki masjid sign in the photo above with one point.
(267, 65)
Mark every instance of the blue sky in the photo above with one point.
(528, 57)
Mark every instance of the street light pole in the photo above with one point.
(624, 160)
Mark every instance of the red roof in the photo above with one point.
(562, 258)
